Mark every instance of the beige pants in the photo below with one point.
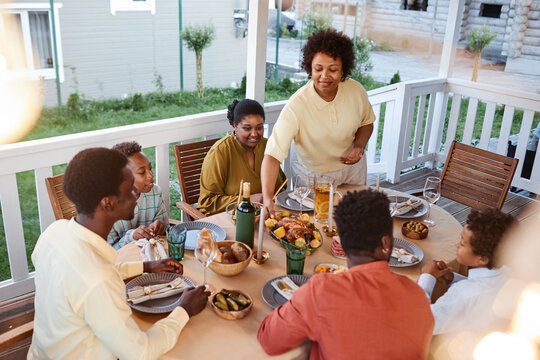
(355, 174)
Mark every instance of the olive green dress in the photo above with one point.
(224, 166)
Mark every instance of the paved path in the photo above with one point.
(416, 66)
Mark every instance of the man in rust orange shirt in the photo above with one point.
(367, 312)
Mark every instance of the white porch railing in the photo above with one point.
(411, 122)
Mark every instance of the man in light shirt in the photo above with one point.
(80, 301)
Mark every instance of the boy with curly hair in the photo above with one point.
(150, 218)
(467, 297)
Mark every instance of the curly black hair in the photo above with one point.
(238, 109)
(128, 148)
(362, 219)
(91, 175)
(488, 227)
(333, 43)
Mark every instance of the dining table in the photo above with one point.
(208, 336)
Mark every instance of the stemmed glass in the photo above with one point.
(206, 252)
(432, 193)
(302, 188)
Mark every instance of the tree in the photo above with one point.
(198, 38)
(317, 18)
(478, 40)
(363, 65)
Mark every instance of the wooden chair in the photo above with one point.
(63, 208)
(189, 159)
(16, 326)
(476, 177)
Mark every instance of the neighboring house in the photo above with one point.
(115, 45)
(409, 24)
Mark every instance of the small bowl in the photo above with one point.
(413, 234)
(232, 315)
(232, 206)
(230, 269)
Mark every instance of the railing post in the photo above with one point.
(439, 116)
(396, 128)
(256, 50)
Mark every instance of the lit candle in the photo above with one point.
(260, 240)
(378, 180)
(330, 208)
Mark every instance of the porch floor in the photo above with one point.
(520, 206)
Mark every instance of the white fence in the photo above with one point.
(409, 130)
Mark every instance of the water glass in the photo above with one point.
(295, 258)
(432, 193)
(176, 238)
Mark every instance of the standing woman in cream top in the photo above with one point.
(329, 119)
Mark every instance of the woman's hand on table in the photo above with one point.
(438, 269)
(354, 156)
(194, 300)
(163, 265)
(157, 227)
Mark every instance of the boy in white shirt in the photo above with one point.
(471, 297)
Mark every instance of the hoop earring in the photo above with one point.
(385, 251)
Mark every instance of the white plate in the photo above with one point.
(286, 202)
(412, 214)
(195, 227)
(157, 306)
(332, 266)
(272, 298)
(411, 248)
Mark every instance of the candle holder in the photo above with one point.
(264, 257)
(329, 232)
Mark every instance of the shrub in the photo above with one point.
(317, 18)
(137, 102)
(363, 64)
(396, 78)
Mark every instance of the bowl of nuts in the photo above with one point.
(414, 230)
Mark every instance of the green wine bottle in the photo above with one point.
(245, 218)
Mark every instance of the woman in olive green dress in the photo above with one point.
(235, 157)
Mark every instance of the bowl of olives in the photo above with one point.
(231, 304)
(414, 230)
(233, 258)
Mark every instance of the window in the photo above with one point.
(30, 25)
(419, 5)
(490, 10)
(133, 5)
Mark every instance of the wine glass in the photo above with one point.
(206, 252)
(302, 188)
(432, 193)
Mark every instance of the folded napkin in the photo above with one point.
(139, 294)
(406, 206)
(152, 249)
(307, 202)
(403, 256)
(285, 287)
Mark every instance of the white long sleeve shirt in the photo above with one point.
(467, 305)
(80, 302)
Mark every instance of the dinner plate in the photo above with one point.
(412, 214)
(411, 248)
(195, 227)
(331, 265)
(157, 306)
(286, 202)
(272, 298)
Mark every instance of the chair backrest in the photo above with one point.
(476, 177)
(63, 208)
(189, 159)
